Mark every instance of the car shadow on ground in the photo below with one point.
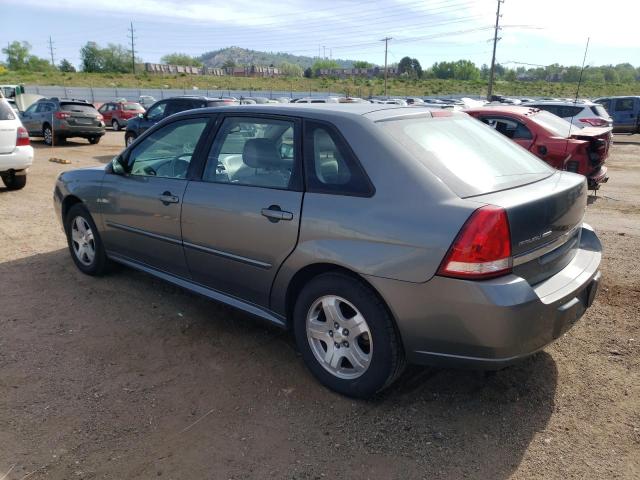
(176, 377)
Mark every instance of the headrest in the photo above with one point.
(261, 153)
(322, 142)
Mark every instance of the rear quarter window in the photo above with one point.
(6, 112)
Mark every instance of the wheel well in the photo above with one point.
(308, 273)
(67, 203)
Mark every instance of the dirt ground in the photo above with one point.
(126, 377)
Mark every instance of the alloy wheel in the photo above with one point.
(84, 246)
(339, 337)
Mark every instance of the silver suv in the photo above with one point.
(379, 235)
(582, 113)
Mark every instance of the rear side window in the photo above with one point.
(469, 157)
(330, 165)
(566, 111)
(624, 105)
(6, 112)
(599, 110)
(78, 107)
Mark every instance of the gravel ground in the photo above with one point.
(126, 377)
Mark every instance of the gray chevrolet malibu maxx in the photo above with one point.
(380, 235)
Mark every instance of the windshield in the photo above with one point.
(559, 127)
(470, 157)
(78, 107)
(132, 106)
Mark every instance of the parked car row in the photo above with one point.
(424, 236)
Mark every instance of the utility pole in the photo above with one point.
(386, 44)
(324, 52)
(493, 57)
(53, 63)
(133, 50)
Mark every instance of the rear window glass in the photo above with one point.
(599, 110)
(553, 124)
(78, 107)
(470, 157)
(6, 112)
(132, 106)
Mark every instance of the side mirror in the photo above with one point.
(117, 165)
(142, 115)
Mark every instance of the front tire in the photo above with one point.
(115, 125)
(129, 138)
(346, 336)
(94, 140)
(13, 181)
(85, 244)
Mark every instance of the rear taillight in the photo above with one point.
(595, 122)
(482, 249)
(22, 140)
(62, 115)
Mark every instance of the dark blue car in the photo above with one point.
(164, 108)
(625, 112)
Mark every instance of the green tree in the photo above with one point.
(181, 59)
(443, 70)
(362, 64)
(92, 58)
(66, 66)
(17, 54)
(19, 58)
(291, 69)
(466, 70)
(324, 65)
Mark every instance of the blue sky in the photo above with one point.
(540, 32)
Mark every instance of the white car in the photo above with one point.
(582, 113)
(16, 153)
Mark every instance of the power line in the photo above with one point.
(493, 57)
(133, 49)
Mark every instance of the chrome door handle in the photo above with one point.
(168, 198)
(275, 214)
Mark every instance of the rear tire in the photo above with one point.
(47, 134)
(94, 140)
(13, 181)
(115, 125)
(346, 336)
(84, 241)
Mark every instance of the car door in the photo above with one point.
(156, 113)
(241, 220)
(28, 119)
(142, 197)
(104, 110)
(624, 113)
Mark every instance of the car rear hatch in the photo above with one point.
(599, 142)
(80, 114)
(545, 220)
(8, 128)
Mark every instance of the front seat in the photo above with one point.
(263, 165)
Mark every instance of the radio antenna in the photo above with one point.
(582, 70)
(577, 91)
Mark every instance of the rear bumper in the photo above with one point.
(598, 177)
(493, 323)
(20, 159)
(79, 131)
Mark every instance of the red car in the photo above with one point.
(553, 139)
(117, 114)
